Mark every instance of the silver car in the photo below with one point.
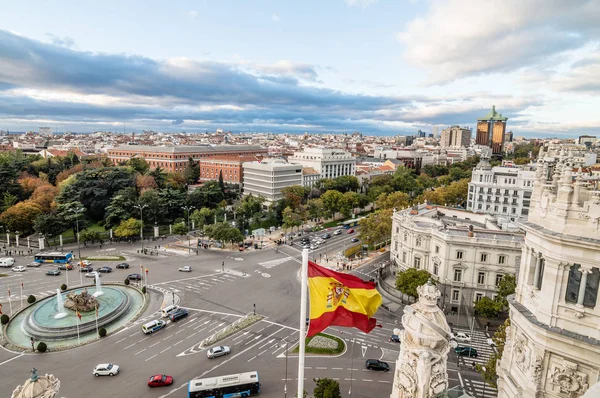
(218, 351)
(105, 369)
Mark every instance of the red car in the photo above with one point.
(160, 381)
(350, 231)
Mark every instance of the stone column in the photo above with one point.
(60, 240)
(8, 239)
(156, 232)
(171, 229)
(28, 243)
(584, 275)
(193, 225)
(110, 233)
(536, 273)
(17, 239)
(41, 243)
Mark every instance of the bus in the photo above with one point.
(230, 386)
(351, 223)
(53, 257)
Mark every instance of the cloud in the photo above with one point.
(61, 41)
(176, 122)
(461, 38)
(192, 13)
(360, 3)
(275, 18)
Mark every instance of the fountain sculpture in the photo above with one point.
(99, 291)
(60, 306)
(82, 302)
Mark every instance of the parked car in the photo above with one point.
(134, 277)
(160, 381)
(350, 231)
(354, 240)
(106, 369)
(314, 246)
(185, 268)
(395, 338)
(65, 267)
(461, 337)
(53, 272)
(34, 264)
(490, 342)
(86, 269)
(179, 314)
(337, 232)
(218, 351)
(122, 266)
(466, 351)
(326, 236)
(375, 364)
(86, 263)
(19, 268)
(104, 270)
(92, 275)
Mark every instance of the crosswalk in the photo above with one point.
(478, 342)
(479, 389)
(198, 284)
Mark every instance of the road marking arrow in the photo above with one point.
(364, 350)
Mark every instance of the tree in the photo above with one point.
(128, 228)
(21, 216)
(102, 332)
(294, 195)
(315, 208)
(342, 184)
(31, 299)
(405, 180)
(202, 217)
(180, 229)
(326, 388)
(506, 287)
(171, 203)
(175, 180)
(332, 201)
(223, 232)
(394, 200)
(29, 184)
(88, 235)
(192, 171)
(44, 196)
(139, 165)
(488, 308)
(208, 195)
(121, 207)
(349, 201)
(8, 200)
(42, 347)
(145, 182)
(50, 225)
(376, 227)
(292, 218)
(407, 281)
(489, 371)
(159, 176)
(221, 183)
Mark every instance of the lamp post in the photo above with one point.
(188, 209)
(141, 207)
(78, 212)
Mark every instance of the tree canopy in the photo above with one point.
(407, 281)
(128, 228)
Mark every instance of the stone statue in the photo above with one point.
(82, 302)
(36, 386)
(421, 365)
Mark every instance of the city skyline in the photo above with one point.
(383, 68)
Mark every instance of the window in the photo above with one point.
(501, 259)
(483, 257)
(504, 210)
(418, 241)
(481, 278)
(498, 279)
(436, 267)
(478, 296)
(479, 206)
(417, 262)
(459, 255)
(437, 249)
(591, 278)
(457, 275)
(405, 236)
(404, 257)
(455, 295)
(396, 246)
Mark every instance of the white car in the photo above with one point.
(490, 342)
(314, 247)
(34, 264)
(218, 351)
(86, 263)
(337, 232)
(92, 275)
(185, 268)
(19, 268)
(106, 369)
(461, 337)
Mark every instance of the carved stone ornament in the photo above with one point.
(521, 353)
(537, 366)
(82, 302)
(569, 380)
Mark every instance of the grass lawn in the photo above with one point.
(335, 345)
(68, 233)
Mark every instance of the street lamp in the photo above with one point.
(188, 209)
(141, 207)
(78, 212)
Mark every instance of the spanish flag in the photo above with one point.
(341, 300)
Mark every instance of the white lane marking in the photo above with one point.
(191, 335)
(117, 342)
(321, 367)
(139, 352)
(167, 349)
(129, 346)
(460, 380)
(8, 360)
(251, 358)
(157, 343)
(151, 357)
(181, 341)
(337, 368)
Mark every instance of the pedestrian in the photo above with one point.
(474, 365)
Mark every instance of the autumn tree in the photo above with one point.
(21, 216)
(376, 227)
(408, 280)
(29, 184)
(332, 201)
(145, 182)
(394, 200)
(294, 195)
(489, 370)
(128, 228)
(175, 180)
(44, 196)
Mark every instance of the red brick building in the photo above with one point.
(230, 166)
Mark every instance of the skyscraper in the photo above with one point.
(490, 131)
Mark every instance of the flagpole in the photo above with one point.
(21, 294)
(97, 332)
(10, 301)
(302, 337)
(77, 316)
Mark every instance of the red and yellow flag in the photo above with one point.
(78, 314)
(341, 300)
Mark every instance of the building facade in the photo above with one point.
(490, 132)
(175, 158)
(501, 191)
(553, 344)
(466, 253)
(455, 136)
(267, 177)
(310, 177)
(330, 163)
(229, 166)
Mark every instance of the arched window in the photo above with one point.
(582, 286)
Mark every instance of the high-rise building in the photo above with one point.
(553, 344)
(267, 177)
(490, 132)
(455, 136)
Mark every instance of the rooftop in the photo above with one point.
(493, 115)
(189, 148)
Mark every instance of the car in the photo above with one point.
(65, 267)
(34, 264)
(153, 326)
(122, 266)
(375, 364)
(350, 231)
(314, 246)
(168, 310)
(19, 268)
(185, 268)
(104, 269)
(354, 240)
(461, 337)
(395, 338)
(160, 381)
(86, 269)
(92, 275)
(466, 351)
(7, 262)
(326, 236)
(179, 314)
(105, 369)
(218, 351)
(86, 263)
(53, 272)
(134, 277)
(306, 246)
(490, 342)
(337, 232)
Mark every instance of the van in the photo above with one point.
(7, 262)
(168, 310)
(153, 326)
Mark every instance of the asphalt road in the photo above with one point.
(265, 278)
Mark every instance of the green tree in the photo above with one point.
(180, 229)
(315, 208)
(506, 287)
(50, 225)
(294, 195)
(293, 218)
(332, 201)
(376, 227)
(171, 203)
(326, 388)
(487, 307)
(408, 280)
(202, 217)
(159, 176)
(153, 212)
(208, 195)
(139, 165)
(342, 184)
(128, 228)
(394, 200)
(89, 235)
(349, 201)
(224, 232)
(489, 370)
(8, 200)
(121, 207)
(221, 183)
(192, 171)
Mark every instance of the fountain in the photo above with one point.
(60, 306)
(98, 292)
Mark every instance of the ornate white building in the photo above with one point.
(329, 163)
(553, 345)
(466, 253)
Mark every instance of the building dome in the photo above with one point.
(46, 386)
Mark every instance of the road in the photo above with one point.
(265, 280)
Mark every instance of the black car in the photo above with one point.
(86, 269)
(134, 277)
(179, 314)
(123, 266)
(395, 338)
(374, 364)
(104, 269)
(466, 351)
(53, 272)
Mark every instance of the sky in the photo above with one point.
(336, 66)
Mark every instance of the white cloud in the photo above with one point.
(275, 18)
(192, 13)
(360, 3)
(460, 38)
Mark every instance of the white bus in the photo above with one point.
(230, 386)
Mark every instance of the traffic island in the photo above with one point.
(323, 344)
(235, 327)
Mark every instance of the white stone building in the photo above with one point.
(267, 177)
(330, 163)
(466, 253)
(503, 191)
(310, 177)
(553, 344)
